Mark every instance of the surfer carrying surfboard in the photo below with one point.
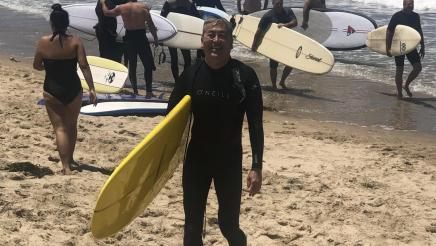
(223, 90)
(58, 54)
(408, 18)
(310, 4)
(285, 18)
(135, 17)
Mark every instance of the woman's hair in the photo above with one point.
(59, 20)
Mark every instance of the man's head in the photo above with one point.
(277, 4)
(408, 6)
(217, 41)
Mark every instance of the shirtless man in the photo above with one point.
(308, 5)
(135, 17)
(251, 6)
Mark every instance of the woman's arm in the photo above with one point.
(86, 70)
(38, 63)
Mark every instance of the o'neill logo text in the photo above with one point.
(109, 77)
(312, 57)
(300, 49)
(350, 30)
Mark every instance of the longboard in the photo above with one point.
(333, 28)
(208, 12)
(109, 76)
(142, 174)
(285, 46)
(404, 41)
(83, 18)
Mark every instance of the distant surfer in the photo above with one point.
(308, 5)
(285, 18)
(408, 18)
(185, 7)
(251, 6)
(135, 17)
(106, 32)
(59, 54)
(223, 90)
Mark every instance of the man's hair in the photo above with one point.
(219, 21)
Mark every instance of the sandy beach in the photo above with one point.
(324, 183)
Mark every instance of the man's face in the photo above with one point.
(408, 5)
(277, 4)
(216, 41)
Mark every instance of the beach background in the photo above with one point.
(346, 163)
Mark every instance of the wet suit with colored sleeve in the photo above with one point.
(220, 99)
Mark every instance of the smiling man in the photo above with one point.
(223, 90)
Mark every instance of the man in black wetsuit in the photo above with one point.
(223, 90)
(285, 18)
(408, 18)
(106, 32)
(135, 17)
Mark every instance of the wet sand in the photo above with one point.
(324, 183)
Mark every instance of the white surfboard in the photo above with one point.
(124, 108)
(404, 41)
(83, 18)
(335, 29)
(189, 30)
(208, 12)
(285, 46)
(109, 76)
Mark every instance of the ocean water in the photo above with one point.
(355, 102)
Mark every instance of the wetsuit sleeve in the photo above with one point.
(254, 111)
(393, 23)
(178, 92)
(419, 28)
(165, 10)
(265, 21)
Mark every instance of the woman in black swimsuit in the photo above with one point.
(58, 54)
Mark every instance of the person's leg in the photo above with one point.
(148, 62)
(71, 117)
(132, 57)
(196, 183)
(56, 113)
(286, 71)
(186, 58)
(399, 63)
(415, 60)
(273, 73)
(174, 62)
(228, 186)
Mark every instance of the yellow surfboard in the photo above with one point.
(142, 174)
(109, 76)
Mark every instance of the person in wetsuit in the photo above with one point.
(285, 18)
(408, 18)
(106, 32)
(223, 90)
(135, 16)
(308, 5)
(58, 54)
(185, 7)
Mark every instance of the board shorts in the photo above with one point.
(413, 58)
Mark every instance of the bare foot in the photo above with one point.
(283, 86)
(406, 88)
(65, 172)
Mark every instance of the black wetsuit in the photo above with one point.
(412, 20)
(186, 10)
(137, 45)
(61, 79)
(106, 32)
(272, 17)
(220, 99)
(210, 3)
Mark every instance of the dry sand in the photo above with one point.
(324, 183)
